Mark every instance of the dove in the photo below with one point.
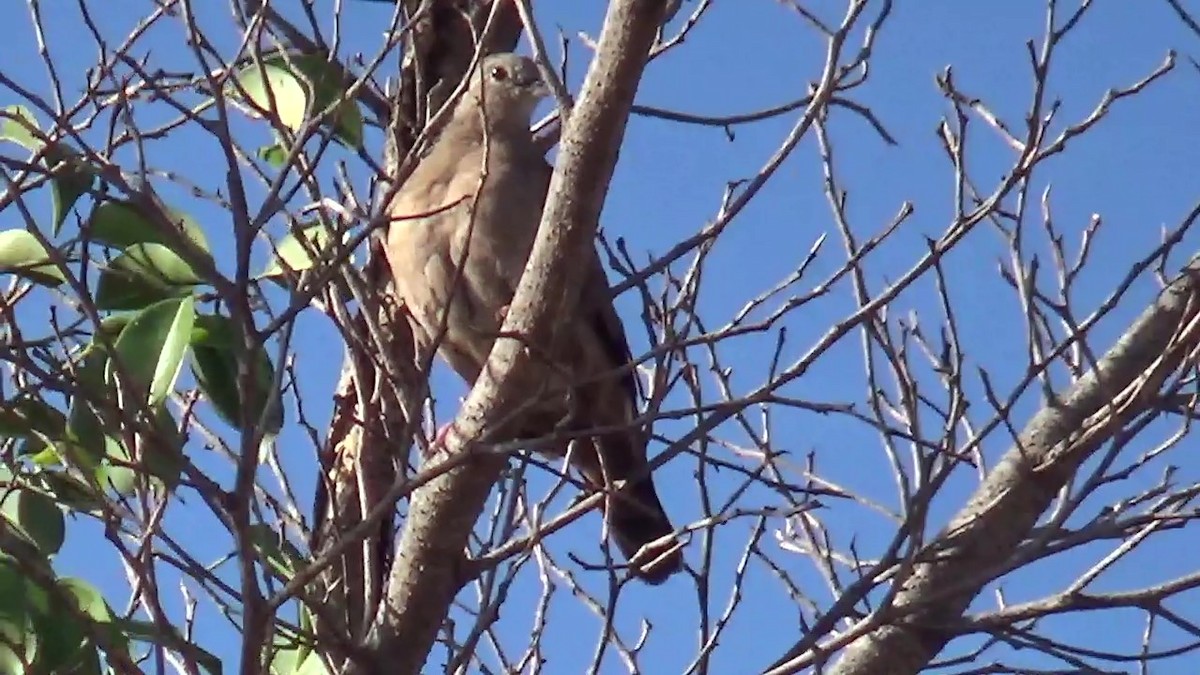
(460, 233)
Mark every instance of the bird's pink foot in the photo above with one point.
(439, 439)
(502, 314)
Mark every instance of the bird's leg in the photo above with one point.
(501, 315)
(439, 439)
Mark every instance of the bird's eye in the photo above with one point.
(499, 73)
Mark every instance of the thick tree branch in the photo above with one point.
(956, 565)
(358, 474)
(428, 570)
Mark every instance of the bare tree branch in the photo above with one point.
(951, 569)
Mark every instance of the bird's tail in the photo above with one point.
(641, 529)
(638, 524)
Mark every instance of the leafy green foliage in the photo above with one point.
(215, 359)
(123, 224)
(92, 423)
(87, 437)
(291, 87)
(282, 556)
(296, 660)
(22, 254)
(72, 176)
(294, 653)
(144, 274)
(299, 251)
(34, 516)
(275, 89)
(29, 417)
(22, 603)
(329, 90)
(145, 631)
(276, 155)
(51, 625)
(70, 491)
(17, 125)
(151, 348)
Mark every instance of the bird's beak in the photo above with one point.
(539, 88)
(532, 81)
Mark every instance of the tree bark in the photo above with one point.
(973, 549)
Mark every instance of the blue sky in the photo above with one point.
(1136, 170)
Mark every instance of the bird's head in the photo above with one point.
(507, 88)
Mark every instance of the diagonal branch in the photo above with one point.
(974, 547)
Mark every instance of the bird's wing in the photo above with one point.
(601, 316)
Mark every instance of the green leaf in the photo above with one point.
(146, 631)
(40, 455)
(87, 441)
(124, 290)
(21, 602)
(295, 80)
(144, 274)
(87, 599)
(117, 472)
(313, 665)
(71, 492)
(276, 155)
(161, 460)
(277, 91)
(63, 643)
(216, 373)
(299, 251)
(35, 516)
(123, 224)
(73, 178)
(83, 455)
(215, 365)
(282, 556)
(152, 346)
(307, 624)
(329, 89)
(92, 605)
(28, 417)
(62, 632)
(288, 662)
(291, 647)
(86, 661)
(10, 634)
(22, 254)
(90, 445)
(17, 125)
(157, 261)
(162, 454)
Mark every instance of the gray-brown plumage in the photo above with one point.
(484, 198)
